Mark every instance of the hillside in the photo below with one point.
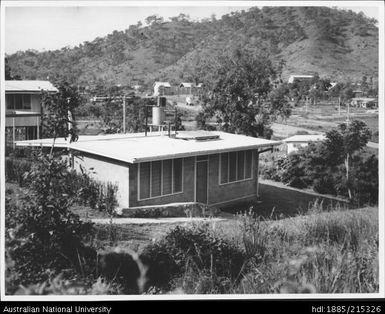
(341, 45)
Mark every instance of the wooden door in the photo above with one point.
(201, 181)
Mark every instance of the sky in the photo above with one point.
(54, 27)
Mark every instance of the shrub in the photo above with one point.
(47, 236)
(196, 249)
(16, 170)
(121, 268)
(90, 192)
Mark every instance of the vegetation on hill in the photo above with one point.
(303, 40)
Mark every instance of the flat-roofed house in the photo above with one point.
(24, 108)
(213, 168)
(364, 102)
(293, 143)
(294, 78)
(161, 88)
(186, 88)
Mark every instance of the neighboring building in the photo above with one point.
(364, 102)
(188, 85)
(161, 88)
(24, 109)
(213, 168)
(294, 78)
(332, 85)
(358, 93)
(293, 143)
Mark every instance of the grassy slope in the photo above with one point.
(324, 252)
(329, 252)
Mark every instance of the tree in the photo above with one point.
(239, 94)
(59, 113)
(336, 165)
(47, 235)
(8, 72)
(355, 136)
(7, 69)
(154, 19)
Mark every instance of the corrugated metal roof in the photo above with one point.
(29, 86)
(136, 147)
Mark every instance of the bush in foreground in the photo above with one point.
(195, 251)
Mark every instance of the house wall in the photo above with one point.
(293, 147)
(26, 121)
(125, 176)
(233, 192)
(217, 194)
(107, 170)
(187, 195)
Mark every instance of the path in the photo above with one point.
(146, 221)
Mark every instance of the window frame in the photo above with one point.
(23, 97)
(161, 180)
(236, 170)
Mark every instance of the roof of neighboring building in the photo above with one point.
(29, 86)
(305, 138)
(185, 84)
(293, 77)
(136, 147)
(165, 84)
(363, 99)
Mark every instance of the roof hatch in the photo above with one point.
(197, 136)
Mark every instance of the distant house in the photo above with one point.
(161, 88)
(186, 88)
(358, 93)
(332, 85)
(296, 78)
(213, 168)
(188, 85)
(293, 143)
(24, 109)
(364, 102)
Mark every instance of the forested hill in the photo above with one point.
(337, 44)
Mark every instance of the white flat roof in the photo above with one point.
(29, 86)
(136, 147)
(305, 138)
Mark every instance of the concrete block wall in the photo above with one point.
(291, 201)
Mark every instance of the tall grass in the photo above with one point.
(334, 252)
(324, 252)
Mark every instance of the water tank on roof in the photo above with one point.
(158, 114)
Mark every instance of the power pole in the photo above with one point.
(348, 114)
(124, 113)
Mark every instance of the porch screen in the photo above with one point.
(235, 166)
(158, 178)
